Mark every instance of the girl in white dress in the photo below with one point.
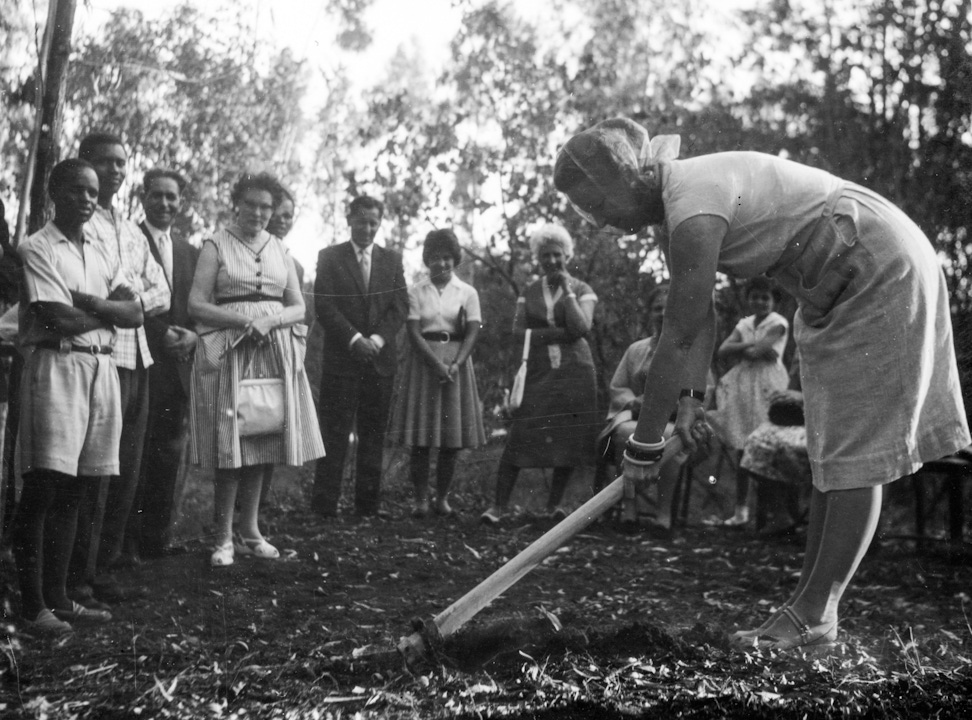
(743, 394)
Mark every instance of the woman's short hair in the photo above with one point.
(260, 181)
(661, 288)
(441, 241)
(285, 194)
(761, 283)
(551, 234)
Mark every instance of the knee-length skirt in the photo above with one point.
(214, 439)
(877, 361)
(557, 423)
(429, 413)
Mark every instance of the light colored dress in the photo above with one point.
(743, 394)
(252, 283)
(877, 361)
(429, 413)
(556, 424)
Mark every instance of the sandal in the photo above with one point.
(257, 547)
(745, 637)
(443, 508)
(80, 613)
(557, 515)
(819, 636)
(223, 555)
(46, 624)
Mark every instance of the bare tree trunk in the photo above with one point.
(51, 111)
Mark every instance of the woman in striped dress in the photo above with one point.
(247, 304)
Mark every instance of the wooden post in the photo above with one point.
(60, 23)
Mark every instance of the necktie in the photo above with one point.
(165, 251)
(365, 267)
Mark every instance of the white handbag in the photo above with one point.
(519, 380)
(259, 405)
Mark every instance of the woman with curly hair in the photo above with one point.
(247, 304)
(556, 424)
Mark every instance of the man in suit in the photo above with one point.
(172, 343)
(361, 302)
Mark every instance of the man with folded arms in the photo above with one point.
(73, 298)
(95, 552)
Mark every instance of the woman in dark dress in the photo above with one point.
(557, 422)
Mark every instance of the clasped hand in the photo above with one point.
(446, 372)
(260, 328)
(179, 342)
(365, 349)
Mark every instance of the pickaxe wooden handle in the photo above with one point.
(465, 608)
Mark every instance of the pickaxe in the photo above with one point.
(415, 646)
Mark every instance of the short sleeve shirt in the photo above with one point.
(53, 267)
(767, 201)
(439, 311)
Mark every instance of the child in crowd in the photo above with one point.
(743, 394)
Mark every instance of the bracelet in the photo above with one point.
(643, 446)
(639, 453)
(694, 394)
(637, 461)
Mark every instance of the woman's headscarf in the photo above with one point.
(613, 154)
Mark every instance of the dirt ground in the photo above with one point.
(642, 622)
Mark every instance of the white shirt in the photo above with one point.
(164, 244)
(361, 253)
(437, 311)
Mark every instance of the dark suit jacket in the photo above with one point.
(184, 258)
(344, 308)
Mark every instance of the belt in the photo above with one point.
(89, 349)
(442, 336)
(252, 297)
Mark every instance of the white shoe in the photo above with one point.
(222, 556)
(741, 517)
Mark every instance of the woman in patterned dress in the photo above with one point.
(873, 332)
(557, 422)
(247, 304)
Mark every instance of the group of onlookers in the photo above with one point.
(131, 335)
(124, 329)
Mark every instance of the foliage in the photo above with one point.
(192, 92)
(878, 93)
